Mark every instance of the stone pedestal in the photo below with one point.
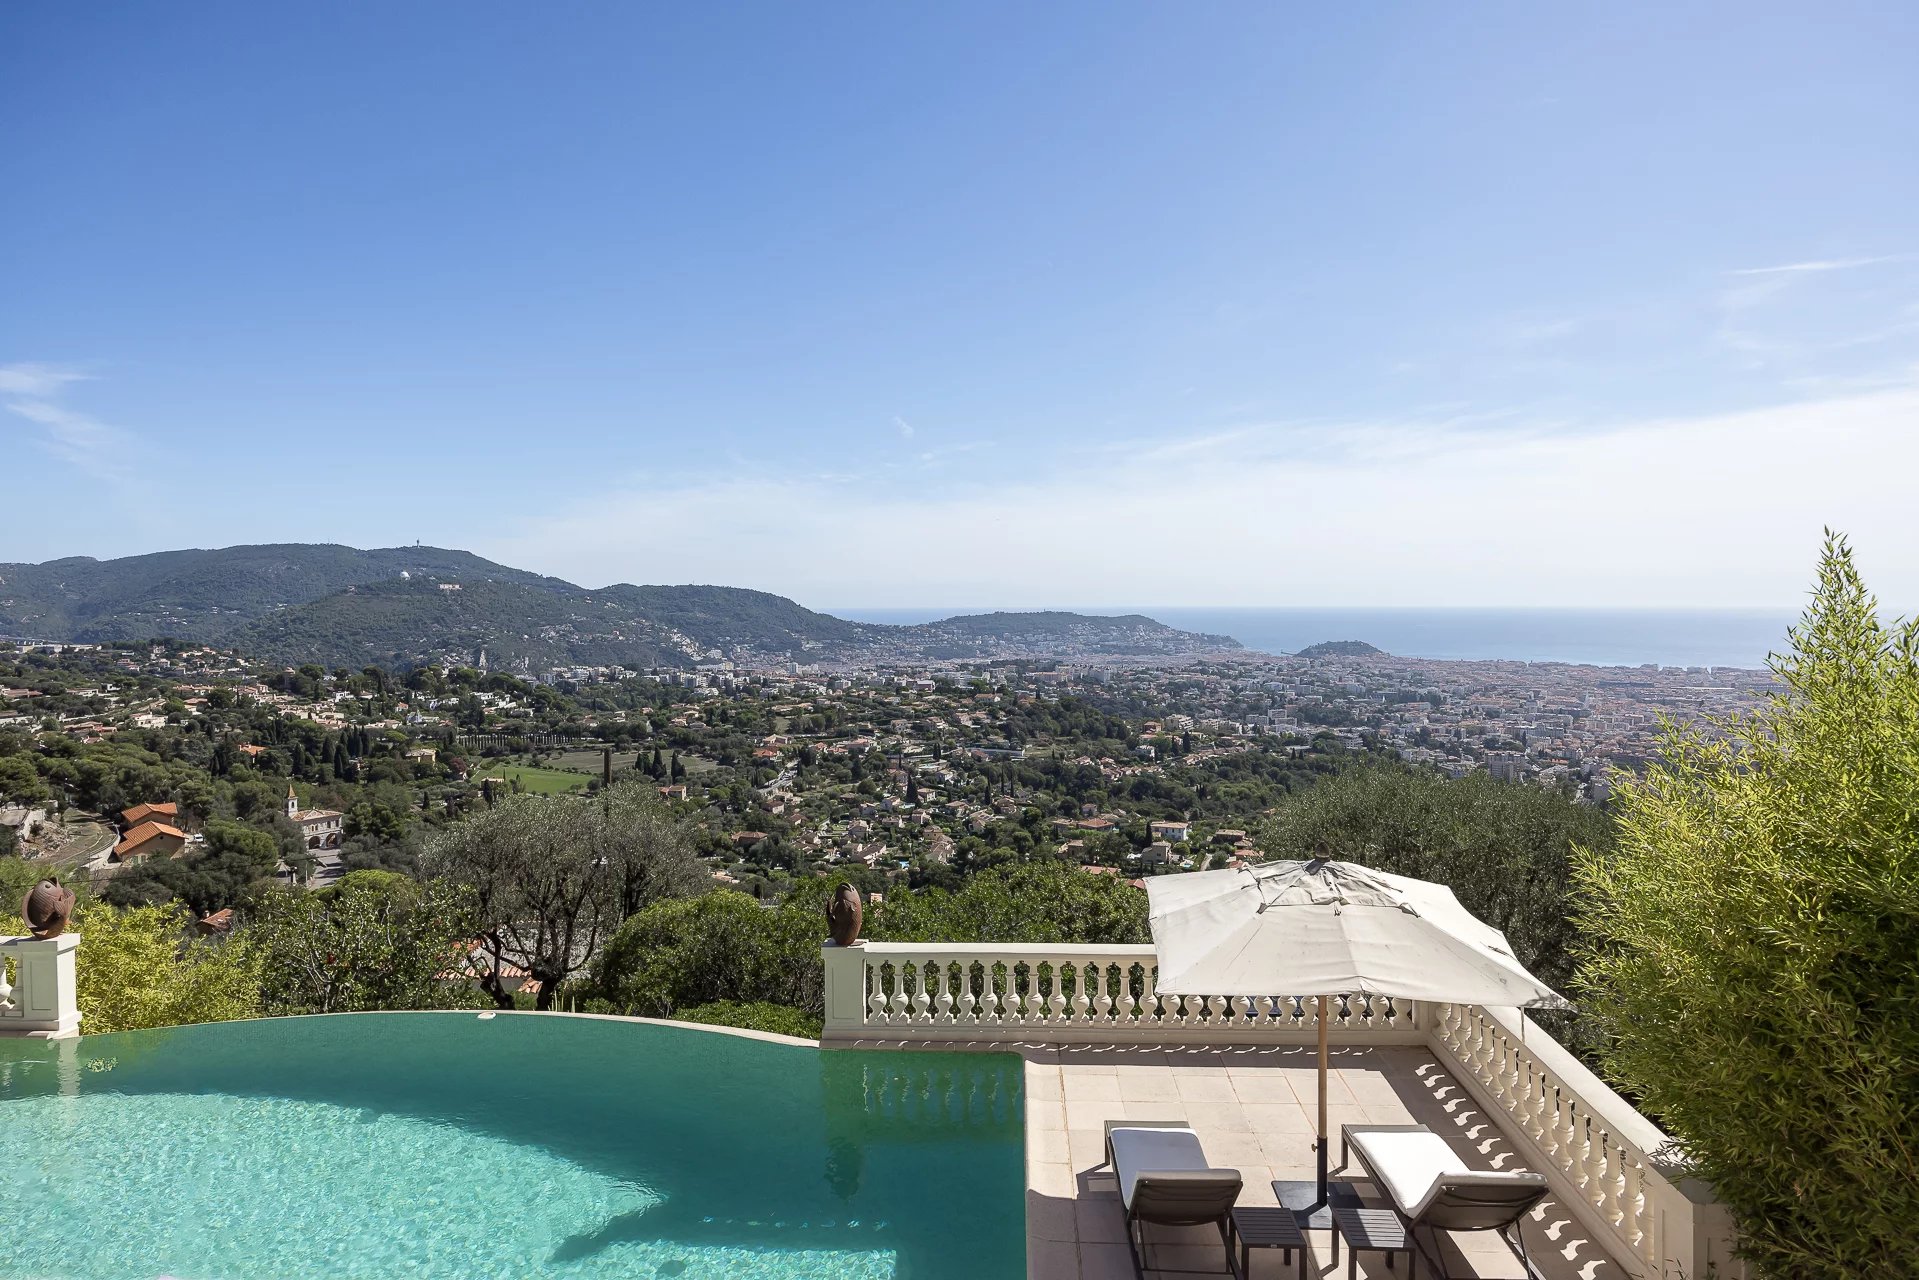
(38, 998)
(845, 989)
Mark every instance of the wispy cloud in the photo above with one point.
(1821, 264)
(904, 427)
(36, 380)
(34, 394)
(1717, 509)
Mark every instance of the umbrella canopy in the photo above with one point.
(1325, 928)
(1330, 928)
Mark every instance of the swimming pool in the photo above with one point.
(449, 1145)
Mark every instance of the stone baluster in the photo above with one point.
(1082, 992)
(1612, 1183)
(1565, 1131)
(966, 1000)
(1057, 1001)
(1102, 996)
(919, 1004)
(1128, 1008)
(1505, 1072)
(1592, 1163)
(1635, 1226)
(1482, 1046)
(942, 997)
(993, 994)
(1538, 1095)
(875, 987)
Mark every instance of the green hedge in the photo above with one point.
(779, 1019)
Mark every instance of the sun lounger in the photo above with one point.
(1165, 1178)
(1432, 1188)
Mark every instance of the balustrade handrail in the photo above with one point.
(1017, 951)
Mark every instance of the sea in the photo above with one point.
(1602, 637)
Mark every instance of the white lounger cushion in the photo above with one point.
(1142, 1151)
(1411, 1166)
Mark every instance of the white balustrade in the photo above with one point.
(1058, 993)
(1609, 1165)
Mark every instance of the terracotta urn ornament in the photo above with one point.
(46, 909)
(843, 914)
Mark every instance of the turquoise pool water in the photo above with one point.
(447, 1145)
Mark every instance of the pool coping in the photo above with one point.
(485, 1014)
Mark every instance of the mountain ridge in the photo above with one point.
(410, 605)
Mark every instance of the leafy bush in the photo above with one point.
(759, 1016)
(1756, 947)
(1039, 902)
(720, 947)
(139, 967)
(376, 940)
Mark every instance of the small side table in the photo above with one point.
(1267, 1227)
(1376, 1230)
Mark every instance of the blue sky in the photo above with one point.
(1024, 305)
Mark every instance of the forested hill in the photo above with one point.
(1341, 649)
(341, 606)
(207, 595)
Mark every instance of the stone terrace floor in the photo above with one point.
(1253, 1109)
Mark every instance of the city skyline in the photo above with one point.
(901, 309)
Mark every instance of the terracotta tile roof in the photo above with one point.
(143, 834)
(139, 813)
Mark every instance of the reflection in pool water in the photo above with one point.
(523, 1145)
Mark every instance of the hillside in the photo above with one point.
(1341, 649)
(400, 606)
(205, 595)
(407, 622)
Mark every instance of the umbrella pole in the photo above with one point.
(1322, 1099)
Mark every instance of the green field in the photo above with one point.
(546, 782)
(588, 762)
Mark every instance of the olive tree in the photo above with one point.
(1755, 946)
(553, 876)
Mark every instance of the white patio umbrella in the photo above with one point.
(1325, 928)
